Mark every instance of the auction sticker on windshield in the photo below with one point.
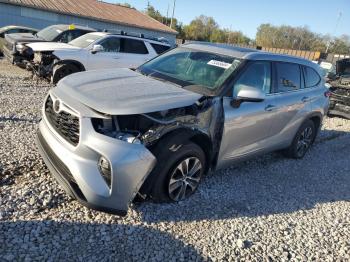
(219, 64)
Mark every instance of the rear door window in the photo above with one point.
(133, 46)
(160, 48)
(312, 78)
(288, 77)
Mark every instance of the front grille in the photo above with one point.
(65, 124)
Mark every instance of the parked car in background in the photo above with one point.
(11, 29)
(15, 44)
(340, 89)
(107, 135)
(98, 50)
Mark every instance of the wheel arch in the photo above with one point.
(71, 61)
(183, 134)
(173, 139)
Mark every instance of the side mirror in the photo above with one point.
(96, 48)
(250, 94)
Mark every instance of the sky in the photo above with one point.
(246, 15)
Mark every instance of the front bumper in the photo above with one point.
(15, 57)
(75, 168)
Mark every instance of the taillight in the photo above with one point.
(327, 93)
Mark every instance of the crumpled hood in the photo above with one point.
(22, 38)
(123, 92)
(51, 46)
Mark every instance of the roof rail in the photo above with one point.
(134, 34)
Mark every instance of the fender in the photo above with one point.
(67, 61)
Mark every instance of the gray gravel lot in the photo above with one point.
(266, 209)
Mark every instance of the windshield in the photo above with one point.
(85, 40)
(187, 67)
(49, 33)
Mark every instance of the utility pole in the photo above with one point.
(229, 35)
(172, 17)
(167, 15)
(335, 30)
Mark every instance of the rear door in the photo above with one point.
(292, 100)
(133, 53)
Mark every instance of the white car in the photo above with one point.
(98, 50)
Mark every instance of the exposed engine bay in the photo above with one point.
(42, 63)
(204, 118)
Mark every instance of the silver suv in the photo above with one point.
(110, 135)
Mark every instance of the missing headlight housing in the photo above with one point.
(110, 127)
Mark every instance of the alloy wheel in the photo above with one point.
(185, 179)
(304, 142)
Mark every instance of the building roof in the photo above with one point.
(96, 10)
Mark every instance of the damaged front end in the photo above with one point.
(42, 64)
(104, 161)
(340, 91)
(201, 123)
(340, 98)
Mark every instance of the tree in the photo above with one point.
(126, 5)
(300, 38)
(155, 14)
(201, 28)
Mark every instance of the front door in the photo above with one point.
(109, 57)
(248, 126)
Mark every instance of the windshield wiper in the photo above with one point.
(151, 75)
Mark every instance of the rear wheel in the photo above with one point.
(179, 177)
(63, 70)
(302, 140)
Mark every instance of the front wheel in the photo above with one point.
(179, 177)
(302, 140)
(63, 70)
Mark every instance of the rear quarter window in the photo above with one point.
(134, 47)
(160, 48)
(312, 78)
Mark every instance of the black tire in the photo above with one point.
(63, 70)
(168, 162)
(302, 141)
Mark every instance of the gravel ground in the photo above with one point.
(266, 209)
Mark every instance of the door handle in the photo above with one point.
(270, 108)
(305, 99)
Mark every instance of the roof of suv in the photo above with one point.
(64, 27)
(102, 34)
(249, 53)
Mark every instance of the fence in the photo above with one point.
(311, 55)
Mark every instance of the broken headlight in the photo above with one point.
(20, 47)
(110, 127)
(128, 137)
